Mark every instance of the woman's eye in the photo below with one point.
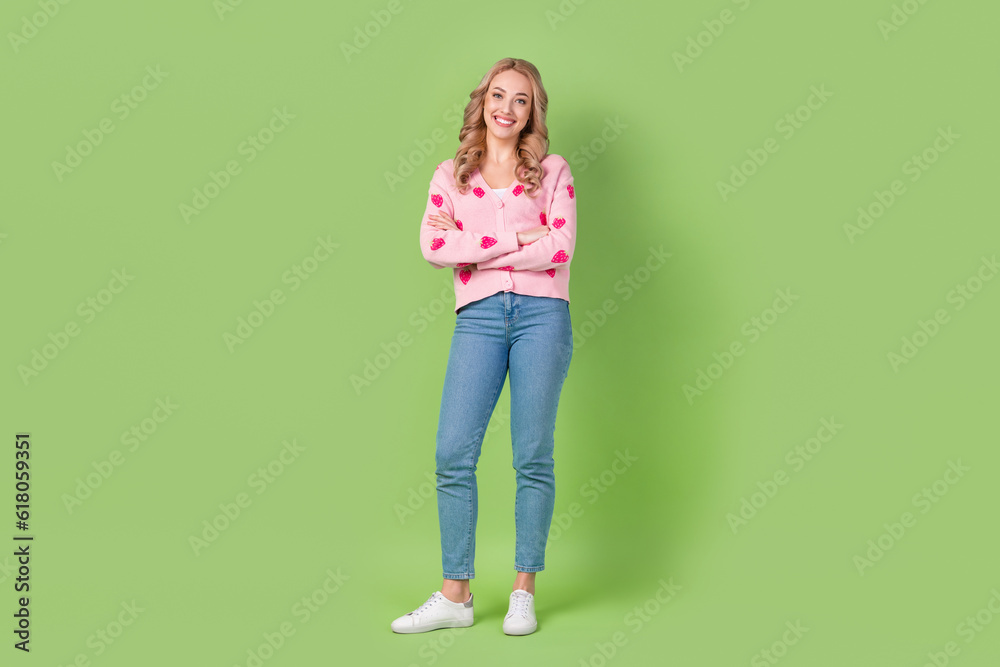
(520, 99)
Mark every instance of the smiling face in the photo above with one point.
(508, 104)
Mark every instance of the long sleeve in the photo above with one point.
(455, 247)
(555, 249)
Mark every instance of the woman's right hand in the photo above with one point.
(532, 235)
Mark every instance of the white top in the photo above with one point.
(499, 191)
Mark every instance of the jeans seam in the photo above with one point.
(480, 430)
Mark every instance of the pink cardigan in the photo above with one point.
(483, 253)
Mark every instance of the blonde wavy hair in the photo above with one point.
(533, 144)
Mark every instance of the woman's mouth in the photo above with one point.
(502, 122)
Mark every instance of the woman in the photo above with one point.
(502, 216)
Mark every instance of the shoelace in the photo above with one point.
(431, 600)
(520, 606)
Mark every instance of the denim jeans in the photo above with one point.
(533, 338)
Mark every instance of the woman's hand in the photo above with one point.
(442, 220)
(532, 235)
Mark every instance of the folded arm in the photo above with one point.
(555, 249)
(455, 247)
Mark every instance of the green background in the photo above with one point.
(366, 452)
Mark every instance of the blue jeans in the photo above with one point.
(532, 337)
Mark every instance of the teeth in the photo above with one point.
(502, 121)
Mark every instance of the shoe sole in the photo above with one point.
(438, 625)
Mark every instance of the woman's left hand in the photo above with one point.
(442, 220)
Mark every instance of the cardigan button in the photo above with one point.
(499, 204)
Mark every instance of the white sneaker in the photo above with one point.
(437, 612)
(520, 618)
